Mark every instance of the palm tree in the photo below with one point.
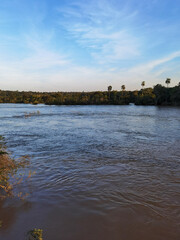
(109, 88)
(123, 87)
(143, 84)
(168, 81)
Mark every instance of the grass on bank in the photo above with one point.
(9, 177)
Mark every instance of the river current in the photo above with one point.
(101, 172)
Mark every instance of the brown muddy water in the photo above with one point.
(102, 172)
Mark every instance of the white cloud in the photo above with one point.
(148, 67)
(152, 72)
(101, 28)
(157, 62)
(69, 77)
(108, 33)
(33, 69)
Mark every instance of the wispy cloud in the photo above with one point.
(35, 67)
(41, 56)
(86, 45)
(103, 29)
(147, 68)
(152, 72)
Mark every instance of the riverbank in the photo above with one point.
(7, 166)
(8, 170)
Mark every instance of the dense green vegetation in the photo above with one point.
(159, 95)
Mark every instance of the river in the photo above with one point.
(101, 172)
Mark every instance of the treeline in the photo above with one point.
(159, 95)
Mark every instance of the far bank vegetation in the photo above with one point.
(158, 95)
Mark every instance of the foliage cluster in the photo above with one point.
(35, 234)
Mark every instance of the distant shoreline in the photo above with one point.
(158, 96)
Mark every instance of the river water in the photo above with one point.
(101, 172)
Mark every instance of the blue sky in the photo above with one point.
(58, 45)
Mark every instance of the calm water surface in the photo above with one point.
(102, 172)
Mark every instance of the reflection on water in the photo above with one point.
(102, 172)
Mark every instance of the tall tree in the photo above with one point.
(123, 87)
(109, 88)
(168, 81)
(143, 84)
